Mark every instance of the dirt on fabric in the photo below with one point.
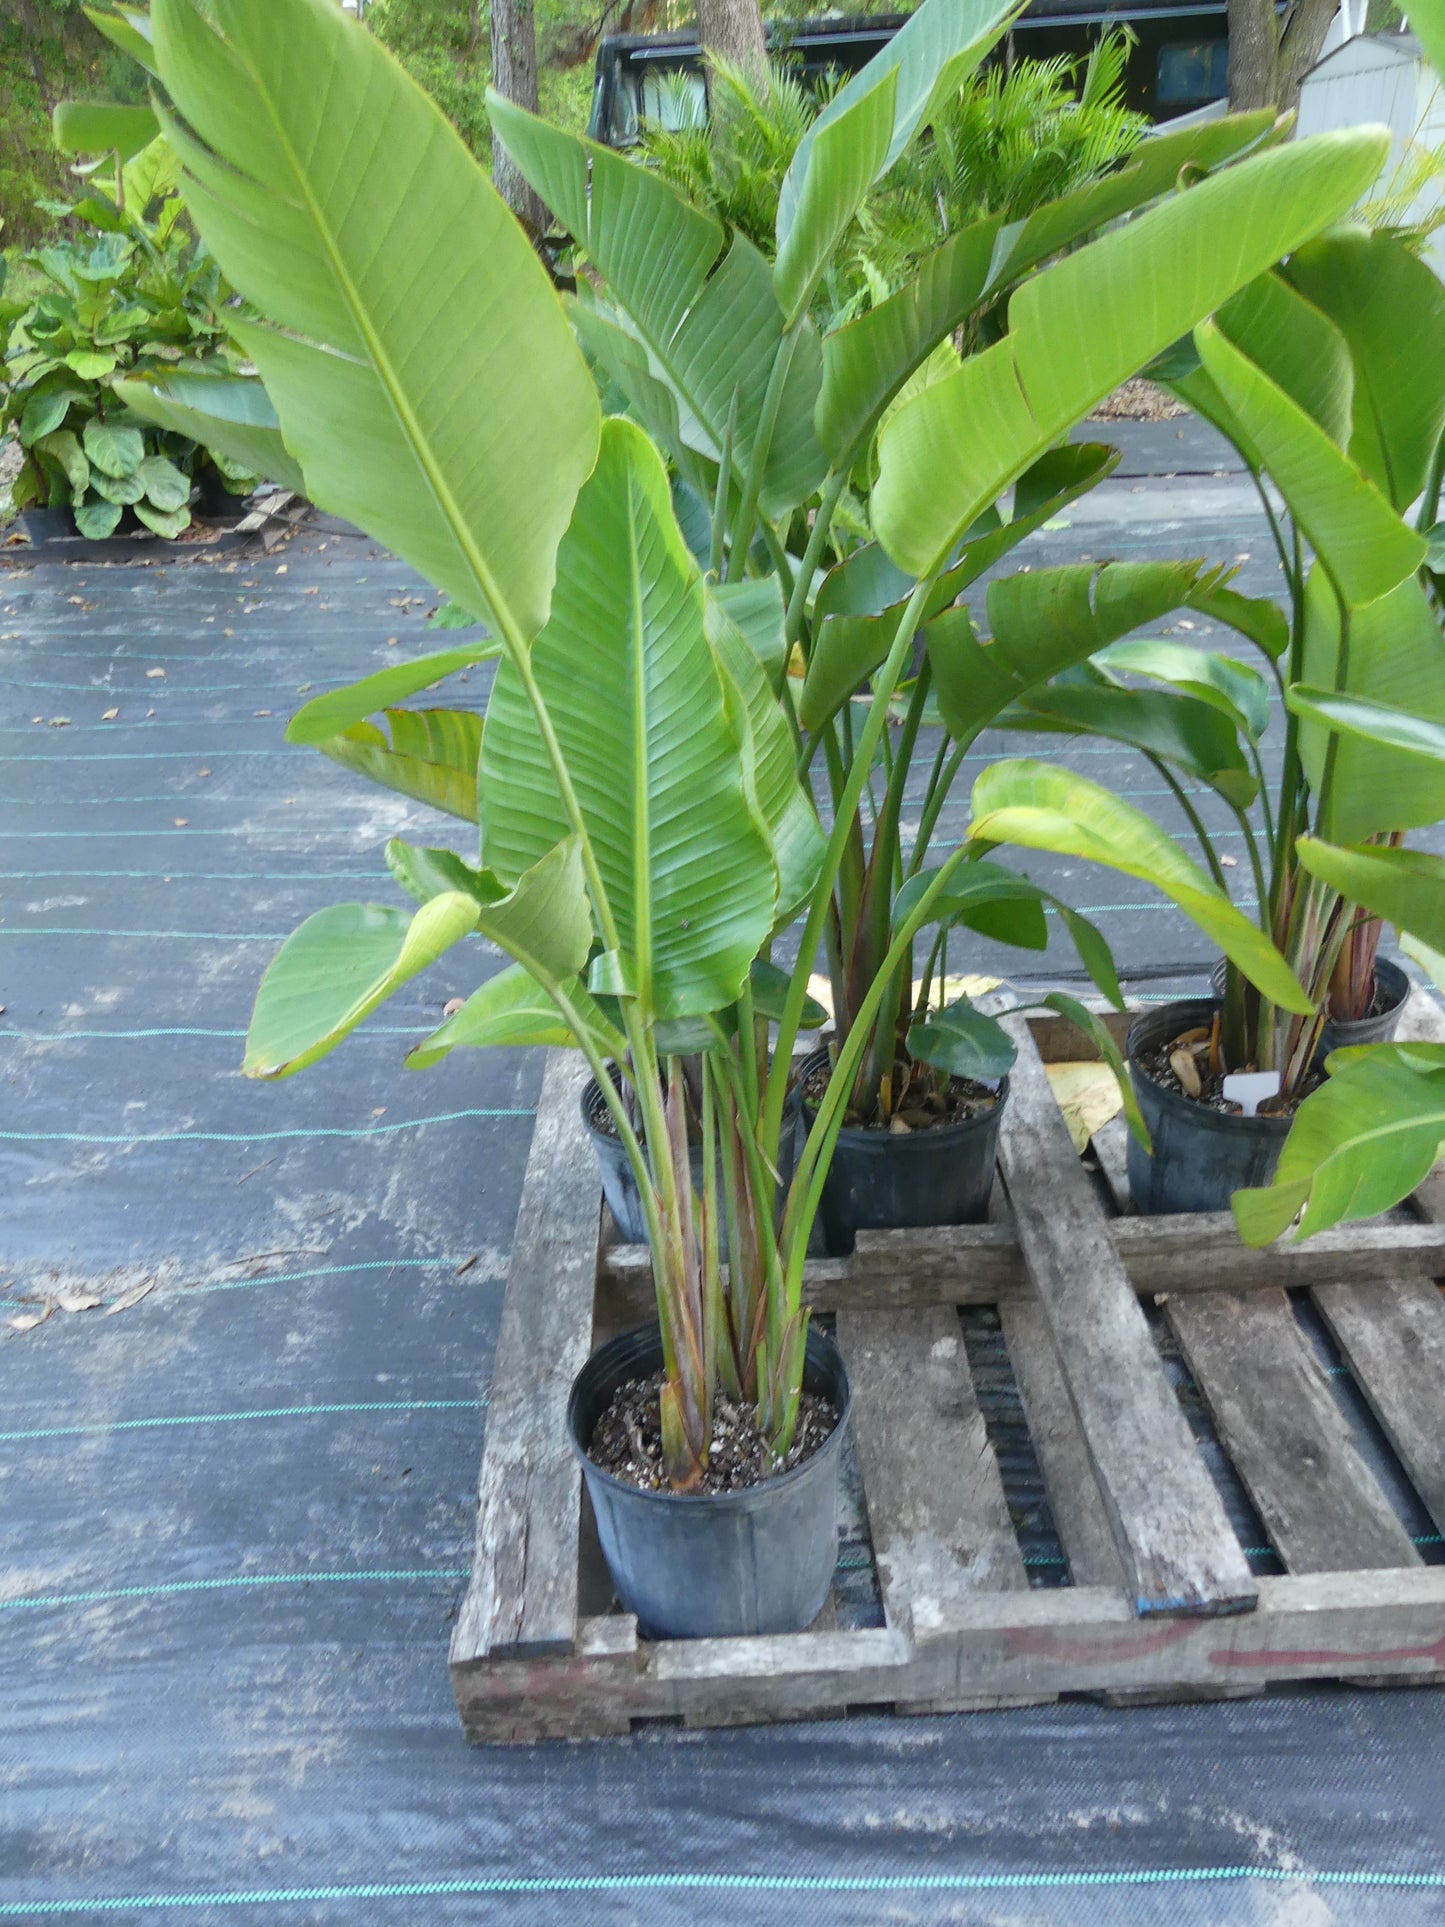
(1138, 400)
(627, 1440)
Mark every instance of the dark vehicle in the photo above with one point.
(1177, 62)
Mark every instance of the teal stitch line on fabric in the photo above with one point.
(179, 1030)
(202, 876)
(501, 1885)
(329, 1271)
(41, 1600)
(230, 1418)
(166, 936)
(253, 1137)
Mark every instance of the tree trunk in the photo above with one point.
(1267, 61)
(734, 29)
(1253, 55)
(514, 75)
(1299, 47)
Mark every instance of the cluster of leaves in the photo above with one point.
(135, 293)
(1006, 142)
(1012, 140)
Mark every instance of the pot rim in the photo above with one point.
(748, 1496)
(861, 1135)
(1202, 1115)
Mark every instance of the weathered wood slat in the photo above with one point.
(1320, 1504)
(1169, 1524)
(1080, 1516)
(982, 1264)
(523, 1591)
(1392, 1336)
(936, 1509)
(1003, 1646)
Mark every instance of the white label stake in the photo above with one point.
(1249, 1089)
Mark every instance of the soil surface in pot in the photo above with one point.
(1160, 1063)
(926, 1110)
(627, 1439)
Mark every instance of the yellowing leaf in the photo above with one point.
(1088, 1095)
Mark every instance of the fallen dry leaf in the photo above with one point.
(79, 1301)
(282, 567)
(260, 712)
(1182, 1063)
(452, 1006)
(153, 673)
(60, 722)
(129, 1298)
(28, 1320)
(109, 715)
(1088, 1096)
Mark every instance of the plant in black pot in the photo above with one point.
(645, 836)
(1305, 368)
(777, 429)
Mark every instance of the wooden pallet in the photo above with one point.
(1162, 1601)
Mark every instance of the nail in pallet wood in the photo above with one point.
(1138, 1518)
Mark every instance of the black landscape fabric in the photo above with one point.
(238, 1495)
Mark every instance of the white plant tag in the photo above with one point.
(1249, 1089)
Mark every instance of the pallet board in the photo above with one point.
(1161, 1600)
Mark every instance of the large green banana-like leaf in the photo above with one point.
(1152, 169)
(102, 126)
(1372, 722)
(859, 604)
(427, 873)
(128, 28)
(1044, 807)
(340, 709)
(421, 366)
(1395, 657)
(1359, 1144)
(788, 813)
(623, 358)
(754, 610)
(1048, 620)
(1231, 687)
(844, 160)
(341, 965)
(512, 1008)
(639, 707)
(712, 330)
(866, 362)
(1403, 887)
(229, 414)
(431, 756)
(1390, 309)
(1091, 320)
(1360, 540)
(930, 57)
(1193, 735)
(1299, 348)
(345, 962)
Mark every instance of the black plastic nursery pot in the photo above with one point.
(1392, 993)
(619, 1186)
(881, 1182)
(715, 1565)
(1201, 1157)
